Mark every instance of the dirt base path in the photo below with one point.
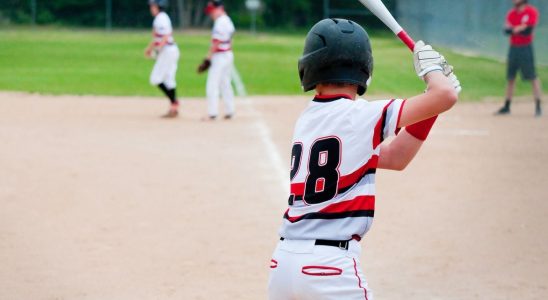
(101, 199)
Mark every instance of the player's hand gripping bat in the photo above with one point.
(379, 10)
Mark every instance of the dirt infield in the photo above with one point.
(101, 199)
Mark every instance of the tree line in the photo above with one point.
(184, 13)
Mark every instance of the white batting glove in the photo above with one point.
(427, 59)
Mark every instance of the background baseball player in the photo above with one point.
(163, 48)
(337, 147)
(520, 23)
(219, 60)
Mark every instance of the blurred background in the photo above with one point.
(99, 44)
(467, 25)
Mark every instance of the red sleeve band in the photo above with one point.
(421, 129)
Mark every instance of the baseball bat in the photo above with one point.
(379, 10)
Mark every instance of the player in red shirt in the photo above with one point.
(520, 23)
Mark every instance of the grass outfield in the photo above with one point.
(63, 61)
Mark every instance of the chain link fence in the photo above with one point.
(469, 26)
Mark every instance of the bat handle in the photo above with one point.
(406, 39)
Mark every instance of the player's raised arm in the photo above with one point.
(420, 112)
(442, 87)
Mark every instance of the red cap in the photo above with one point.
(209, 8)
(211, 5)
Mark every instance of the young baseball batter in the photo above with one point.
(166, 52)
(219, 60)
(338, 144)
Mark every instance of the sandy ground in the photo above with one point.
(101, 199)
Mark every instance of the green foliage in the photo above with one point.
(59, 61)
(135, 13)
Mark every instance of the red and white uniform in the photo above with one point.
(336, 146)
(528, 16)
(220, 72)
(165, 68)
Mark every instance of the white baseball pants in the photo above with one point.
(165, 68)
(218, 83)
(300, 270)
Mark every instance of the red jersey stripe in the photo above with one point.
(352, 178)
(344, 181)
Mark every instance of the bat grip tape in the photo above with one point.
(406, 39)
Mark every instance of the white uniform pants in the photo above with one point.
(300, 270)
(165, 67)
(218, 83)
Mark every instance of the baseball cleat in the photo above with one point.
(505, 110)
(228, 117)
(208, 118)
(172, 113)
(538, 111)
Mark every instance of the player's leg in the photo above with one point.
(280, 285)
(537, 91)
(332, 274)
(529, 72)
(350, 284)
(213, 86)
(303, 271)
(169, 92)
(511, 73)
(170, 82)
(226, 87)
(510, 87)
(159, 74)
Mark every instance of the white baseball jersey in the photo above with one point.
(220, 72)
(334, 157)
(162, 27)
(165, 68)
(223, 30)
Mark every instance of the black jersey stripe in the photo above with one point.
(330, 98)
(330, 216)
(368, 172)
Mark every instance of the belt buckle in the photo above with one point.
(343, 245)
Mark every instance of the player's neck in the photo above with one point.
(331, 90)
(521, 7)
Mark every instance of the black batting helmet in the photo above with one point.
(336, 51)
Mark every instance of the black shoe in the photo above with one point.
(228, 117)
(208, 118)
(505, 110)
(538, 111)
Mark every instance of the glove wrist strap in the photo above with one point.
(430, 69)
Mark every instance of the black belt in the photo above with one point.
(339, 244)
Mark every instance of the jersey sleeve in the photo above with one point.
(380, 116)
(533, 17)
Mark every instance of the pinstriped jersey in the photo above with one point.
(333, 161)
